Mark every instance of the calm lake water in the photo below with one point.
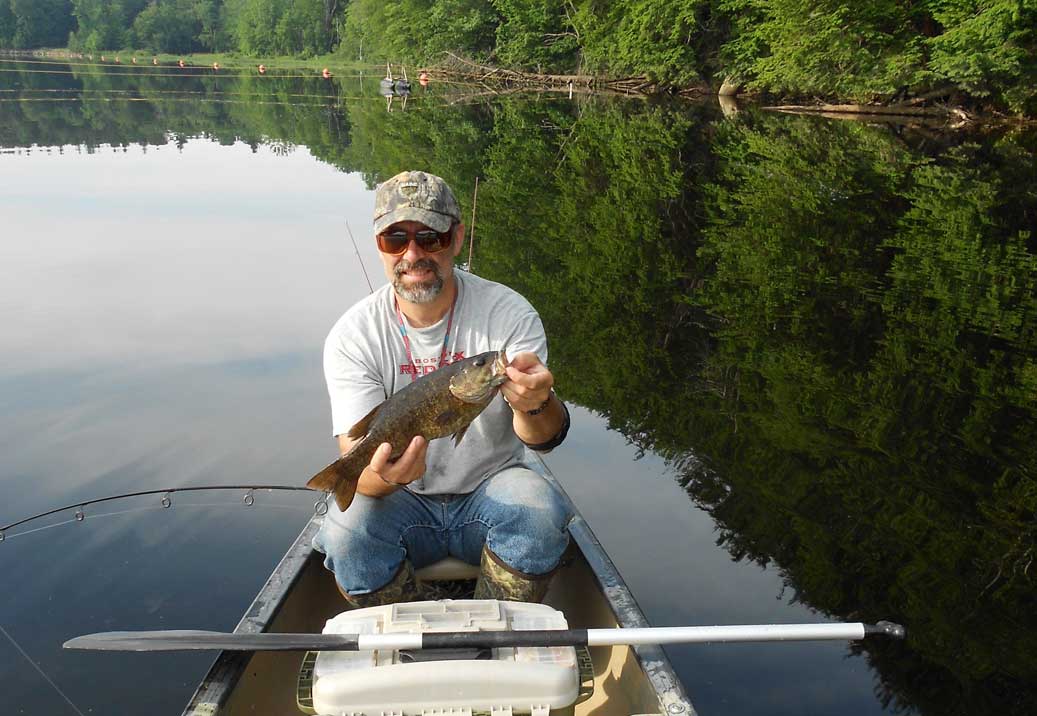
(802, 355)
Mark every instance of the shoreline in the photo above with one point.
(491, 78)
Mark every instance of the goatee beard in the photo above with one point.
(423, 291)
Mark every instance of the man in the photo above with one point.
(476, 501)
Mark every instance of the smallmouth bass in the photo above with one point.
(442, 403)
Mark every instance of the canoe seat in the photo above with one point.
(448, 568)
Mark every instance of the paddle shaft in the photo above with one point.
(207, 640)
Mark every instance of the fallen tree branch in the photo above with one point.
(468, 68)
(897, 110)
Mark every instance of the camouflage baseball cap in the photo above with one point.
(415, 196)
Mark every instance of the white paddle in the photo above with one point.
(191, 640)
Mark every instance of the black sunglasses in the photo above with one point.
(395, 242)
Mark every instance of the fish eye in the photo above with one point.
(480, 361)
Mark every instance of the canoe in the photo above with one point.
(301, 595)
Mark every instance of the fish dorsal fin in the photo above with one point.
(459, 434)
(364, 424)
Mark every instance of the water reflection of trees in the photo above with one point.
(826, 328)
(91, 107)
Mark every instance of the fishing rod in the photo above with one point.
(196, 640)
(471, 239)
(321, 506)
(359, 258)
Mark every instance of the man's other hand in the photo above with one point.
(529, 383)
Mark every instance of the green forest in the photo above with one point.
(981, 52)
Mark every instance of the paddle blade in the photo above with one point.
(194, 640)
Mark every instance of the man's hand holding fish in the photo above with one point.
(537, 412)
(409, 467)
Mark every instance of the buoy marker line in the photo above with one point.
(148, 92)
(236, 72)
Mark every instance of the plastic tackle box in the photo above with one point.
(501, 682)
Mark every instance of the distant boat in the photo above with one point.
(402, 86)
(385, 87)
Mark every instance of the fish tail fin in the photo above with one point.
(345, 492)
(340, 477)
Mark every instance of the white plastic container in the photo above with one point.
(514, 681)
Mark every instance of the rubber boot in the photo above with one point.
(499, 581)
(403, 587)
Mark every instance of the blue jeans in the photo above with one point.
(517, 513)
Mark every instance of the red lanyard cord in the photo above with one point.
(406, 339)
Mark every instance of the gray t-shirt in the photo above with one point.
(365, 362)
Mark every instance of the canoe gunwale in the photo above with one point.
(673, 700)
(225, 672)
(672, 697)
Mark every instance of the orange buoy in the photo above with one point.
(181, 63)
(262, 69)
(326, 74)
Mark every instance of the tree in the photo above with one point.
(7, 24)
(105, 24)
(168, 26)
(832, 48)
(658, 38)
(256, 21)
(41, 23)
(212, 32)
(300, 29)
(988, 49)
(536, 34)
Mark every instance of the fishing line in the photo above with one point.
(41, 672)
(47, 527)
(319, 508)
(150, 508)
(360, 259)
